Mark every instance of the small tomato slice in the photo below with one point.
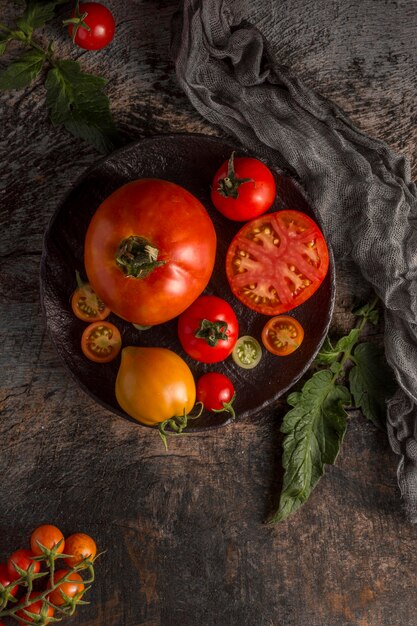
(282, 335)
(247, 352)
(101, 342)
(86, 305)
(277, 261)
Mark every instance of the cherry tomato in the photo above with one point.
(37, 608)
(154, 385)
(150, 251)
(247, 352)
(208, 329)
(71, 587)
(277, 261)
(6, 579)
(94, 26)
(216, 391)
(243, 188)
(86, 304)
(49, 537)
(80, 546)
(282, 335)
(23, 559)
(101, 342)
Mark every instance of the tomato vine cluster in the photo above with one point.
(33, 589)
(149, 253)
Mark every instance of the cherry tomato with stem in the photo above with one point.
(282, 335)
(6, 579)
(49, 537)
(37, 608)
(79, 546)
(91, 25)
(208, 329)
(101, 342)
(277, 261)
(24, 560)
(71, 587)
(217, 393)
(243, 188)
(86, 305)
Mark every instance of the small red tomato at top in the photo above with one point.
(22, 559)
(92, 26)
(38, 607)
(216, 392)
(6, 579)
(243, 188)
(208, 329)
(49, 537)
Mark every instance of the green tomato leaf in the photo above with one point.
(314, 429)
(369, 312)
(347, 342)
(328, 354)
(36, 14)
(371, 382)
(75, 99)
(3, 44)
(23, 71)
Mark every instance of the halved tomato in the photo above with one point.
(277, 261)
(101, 342)
(86, 304)
(282, 335)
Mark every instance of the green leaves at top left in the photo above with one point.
(23, 71)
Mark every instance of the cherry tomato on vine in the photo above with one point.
(86, 305)
(282, 335)
(92, 27)
(49, 537)
(23, 559)
(243, 188)
(73, 586)
(80, 546)
(208, 329)
(277, 261)
(37, 608)
(6, 579)
(217, 393)
(101, 342)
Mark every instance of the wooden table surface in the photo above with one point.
(183, 531)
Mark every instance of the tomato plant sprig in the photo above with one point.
(74, 98)
(315, 426)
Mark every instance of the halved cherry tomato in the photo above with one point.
(208, 329)
(243, 188)
(6, 579)
(49, 537)
(39, 607)
(217, 393)
(101, 342)
(79, 546)
(282, 335)
(86, 304)
(247, 352)
(277, 261)
(24, 560)
(73, 586)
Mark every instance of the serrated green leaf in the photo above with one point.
(76, 100)
(327, 353)
(36, 14)
(314, 429)
(371, 382)
(23, 71)
(348, 341)
(368, 311)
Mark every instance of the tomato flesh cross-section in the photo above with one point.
(277, 261)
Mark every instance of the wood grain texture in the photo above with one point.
(183, 531)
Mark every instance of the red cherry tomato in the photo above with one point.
(216, 392)
(282, 335)
(37, 608)
(208, 329)
(71, 587)
(95, 28)
(277, 261)
(6, 579)
(23, 559)
(243, 188)
(101, 342)
(49, 537)
(86, 305)
(79, 546)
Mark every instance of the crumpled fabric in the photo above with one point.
(361, 190)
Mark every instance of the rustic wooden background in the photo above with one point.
(183, 532)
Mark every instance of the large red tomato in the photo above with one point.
(277, 261)
(149, 251)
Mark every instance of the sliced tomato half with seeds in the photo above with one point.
(101, 342)
(277, 261)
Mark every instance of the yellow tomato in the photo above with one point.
(154, 384)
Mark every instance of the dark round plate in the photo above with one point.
(190, 161)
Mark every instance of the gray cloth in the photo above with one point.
(361, 189)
